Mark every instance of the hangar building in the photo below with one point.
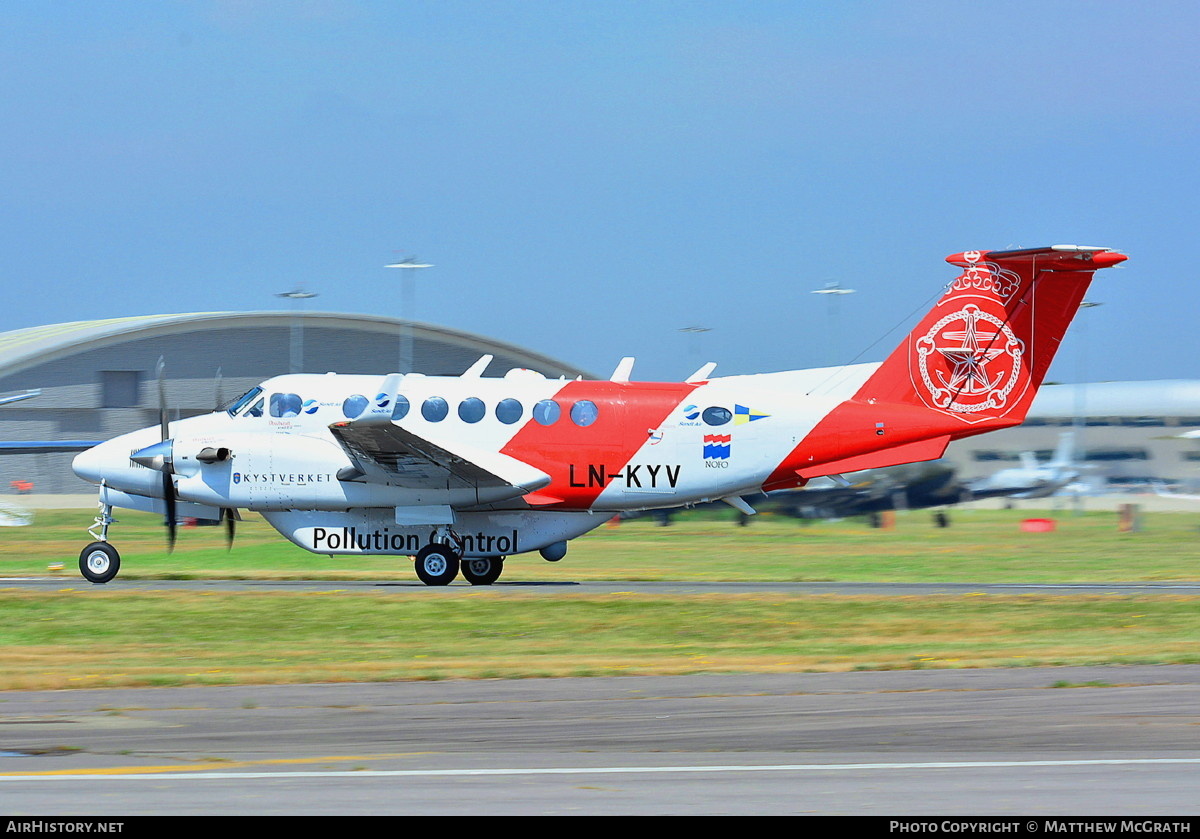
(1128, 432)
(97, 378)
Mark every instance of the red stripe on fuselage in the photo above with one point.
(577, 457)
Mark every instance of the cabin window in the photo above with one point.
(471, 409)
(285, 405)
(584, 412)
(435, 409)
(400, 407)
(547, 412)
(509, 411)
(716, 416)
(354, 405)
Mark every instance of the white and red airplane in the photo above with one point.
(462, 472)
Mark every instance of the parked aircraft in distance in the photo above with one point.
(912, 486)
(462, 472)
(1032, 479)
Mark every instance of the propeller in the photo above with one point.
(230, 515)
(167, 483)
(160, 456)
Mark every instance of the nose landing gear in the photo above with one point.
(99, 562)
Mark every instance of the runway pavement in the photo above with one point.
(1115, 741)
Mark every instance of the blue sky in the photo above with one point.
(590, 177)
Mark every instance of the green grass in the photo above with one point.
(109, 638)
(980, 546)
(91, 636)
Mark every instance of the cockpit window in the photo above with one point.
(254, 410)
(243, 400)
(285, 405)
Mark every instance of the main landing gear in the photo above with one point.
(99, 562)
(438, 563)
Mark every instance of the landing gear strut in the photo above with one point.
(99, 562)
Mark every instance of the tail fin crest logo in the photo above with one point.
(970, 362)
(987, 278)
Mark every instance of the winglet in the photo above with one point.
(703, 373)
(380, 409)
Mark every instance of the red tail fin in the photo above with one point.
(980, 355)
(973, 364)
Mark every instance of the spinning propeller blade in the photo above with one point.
(167, 483)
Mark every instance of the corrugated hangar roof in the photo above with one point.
(23, 348)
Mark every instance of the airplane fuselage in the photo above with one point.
(605, 447)
(456, 467)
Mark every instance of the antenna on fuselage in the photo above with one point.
(623, 371)
(476, 370)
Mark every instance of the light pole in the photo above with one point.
(1079, 448)
(407, 309)
(694, 341)
(296, 351)
(833, 291)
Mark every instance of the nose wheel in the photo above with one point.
(99, 562)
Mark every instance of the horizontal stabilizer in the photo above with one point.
(908, 453)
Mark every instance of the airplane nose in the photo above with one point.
(88, 465)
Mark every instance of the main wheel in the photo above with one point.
(437, 565)
(482, 570)
(99, 562)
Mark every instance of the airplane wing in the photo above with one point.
(383, 452)
(46, 446)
